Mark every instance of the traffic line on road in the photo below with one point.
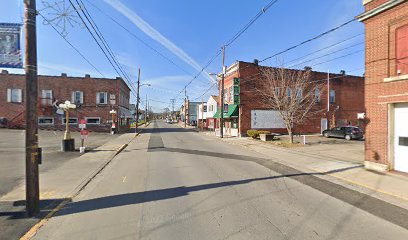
(34, 229)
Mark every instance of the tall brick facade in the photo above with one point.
(385, 84)
(349, 98)
(62, 88)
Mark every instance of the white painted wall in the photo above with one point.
(264, 119)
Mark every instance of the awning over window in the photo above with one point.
(232, 112)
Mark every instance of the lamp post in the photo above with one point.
(68, 144)
(113, 127)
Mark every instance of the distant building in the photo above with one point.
(386, 84)
(94, 98)
(244, 110)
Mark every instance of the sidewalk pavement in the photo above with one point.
(60, 184)
(345, 167)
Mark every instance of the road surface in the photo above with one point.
(173, 183)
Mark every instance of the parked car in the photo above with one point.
(168, 120)
(348, 132)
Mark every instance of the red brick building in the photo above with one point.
(246, 111)
(94, 98)
(386, 96)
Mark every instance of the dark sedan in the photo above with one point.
(348, 132)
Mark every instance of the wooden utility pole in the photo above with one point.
(185, 107)
(31, 136)
(146, 111)
(202, 114)
(137, 101)
(222, 94)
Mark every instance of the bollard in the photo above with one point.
(304, 139)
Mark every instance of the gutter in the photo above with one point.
(382, 8)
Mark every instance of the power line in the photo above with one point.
(252, 21)
(309, 40)
(117, 66)
(137, 38)
(102, 38)
(324, 48)
(72, 46)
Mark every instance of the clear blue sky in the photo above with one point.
(190, 32)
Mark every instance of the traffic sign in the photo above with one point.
(84, 134)
(82, 124)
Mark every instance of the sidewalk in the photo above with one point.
(349, 171)
(58, 185)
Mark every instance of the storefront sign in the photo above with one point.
(10, 52)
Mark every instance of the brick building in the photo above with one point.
(386, 96)
(246, 111)
(94, 98)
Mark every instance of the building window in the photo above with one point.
(332, 96)
(45, 121)
(299, 94)
(77, 97)
(70, 121)
(93, 120)
(402, 50)
(289, 93)
(317, 95)
(205, 109)
(14, 95)
(102, 98)
(46, 97)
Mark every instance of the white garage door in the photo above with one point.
(401, 138)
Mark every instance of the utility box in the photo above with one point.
(266, 137)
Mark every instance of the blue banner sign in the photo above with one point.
(10, 51)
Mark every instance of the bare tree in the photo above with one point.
(290, 92)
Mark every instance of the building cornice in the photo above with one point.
(382, 8)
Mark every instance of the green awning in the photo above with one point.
(232, 112)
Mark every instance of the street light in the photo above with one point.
(68, 144)
(113, 127)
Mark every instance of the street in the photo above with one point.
(173, 183)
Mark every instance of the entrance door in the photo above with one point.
(323, 124)
(401, 137)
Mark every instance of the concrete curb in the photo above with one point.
(77, 190)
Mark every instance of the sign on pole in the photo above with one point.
(10, 51)
(82, 124)
(84, 134)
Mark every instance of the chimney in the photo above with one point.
(4, 72)
(256, 62)
(64, 75)
(118, 78)
(87, 75)
(342, 72)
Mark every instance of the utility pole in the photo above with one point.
(31, 136)
(202, 114)
(185, 107)
(146, 111)
(137, 101)
(172, 106)
(222, 93)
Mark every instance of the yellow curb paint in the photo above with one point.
(31, 233)
(362, 185)
(34, 229)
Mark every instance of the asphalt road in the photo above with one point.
(177, 184)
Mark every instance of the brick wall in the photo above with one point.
(349, 97)
(380, 64)
(62, 87)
